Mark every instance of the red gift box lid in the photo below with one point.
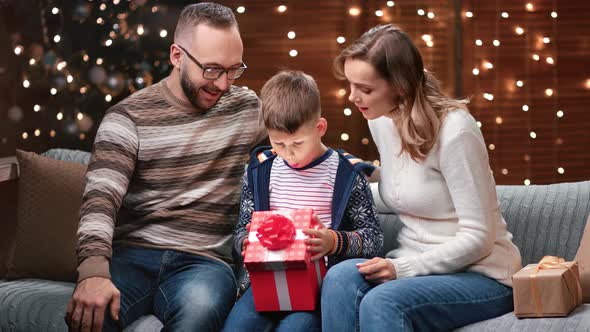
(293, 256)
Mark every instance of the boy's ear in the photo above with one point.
(322, 126)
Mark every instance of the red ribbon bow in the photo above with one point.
(276, 232)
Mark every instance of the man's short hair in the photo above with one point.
(289, 100)
(209, 13)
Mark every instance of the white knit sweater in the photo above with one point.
(447, 203)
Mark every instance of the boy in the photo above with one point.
(300, 171)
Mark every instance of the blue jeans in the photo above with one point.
(243, 317)
(426, 303)
(186, 292)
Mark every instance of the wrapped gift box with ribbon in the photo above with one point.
(282, 274)
(548, 289)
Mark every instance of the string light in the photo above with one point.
(344, 137)
(25, 135)
(525, 108)
(140, 29)
(108, 98)
(60, 116)
(519, 30)
(554, 14)
(430, 15)
(505, 15)
(340, 40)
(379, 13)
(519, 84)
(342, 92)
(488, 65)
(478, 42)
(291, 35)
(536, 57)
(546, 40)
(492, 147)
(52, 133)
(504, 171)
(499, 120)
(103, 6)
(365, 141)
(488, 96)
(99, 21)
(36, 108)
(79, 116)
(550, 60)
(18, 49)
(99, 61)
(55, 11)
(85, 58)
(60, 66)
(163, 33)
(347, 111)
(469, 14)
(37, 132)
(32, 62)
(530, 7)
(293, 53)
(475, 71)
(587, 83)
(548, 92)
(26, 83)
(354, 11)
(496, 42)
(421, 12)
(527, 182)
(241, 9)
(390, 3)
(56, 38)
(108, 43)
(70, 79)
(533, 134)
(479, 124)
(560, 170)
(282, 8)
(559, 114)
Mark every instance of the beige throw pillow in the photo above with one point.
(583, 259)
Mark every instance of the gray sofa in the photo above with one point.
(544, 219)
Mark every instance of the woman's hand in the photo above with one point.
(378, 270)
(321, 240)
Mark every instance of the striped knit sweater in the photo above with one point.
(165, 175)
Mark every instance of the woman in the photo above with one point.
(455, 260)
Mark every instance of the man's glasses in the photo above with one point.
(215, 72)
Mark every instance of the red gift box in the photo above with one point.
(283, 278)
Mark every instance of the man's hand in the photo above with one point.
(378, 270)
(87, 307)
(320, 242)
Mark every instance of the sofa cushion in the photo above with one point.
(546, 219)
(49, 198)
(578, 320)
(40, 305)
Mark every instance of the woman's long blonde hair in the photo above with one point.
(422, 105)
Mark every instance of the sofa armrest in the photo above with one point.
(8, 169)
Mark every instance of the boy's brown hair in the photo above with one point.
(289, 100)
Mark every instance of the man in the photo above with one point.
(162, 188)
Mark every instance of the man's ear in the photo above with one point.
(322, 126)
(175, 54)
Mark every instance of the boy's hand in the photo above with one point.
(378, 270)
(245, 242)
(320, 242)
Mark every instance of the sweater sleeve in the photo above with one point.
(246, 210)
(111, 167)
(365, 237)
(465, 168)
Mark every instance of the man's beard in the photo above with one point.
(192, 94)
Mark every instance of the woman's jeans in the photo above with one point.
(425, 303)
